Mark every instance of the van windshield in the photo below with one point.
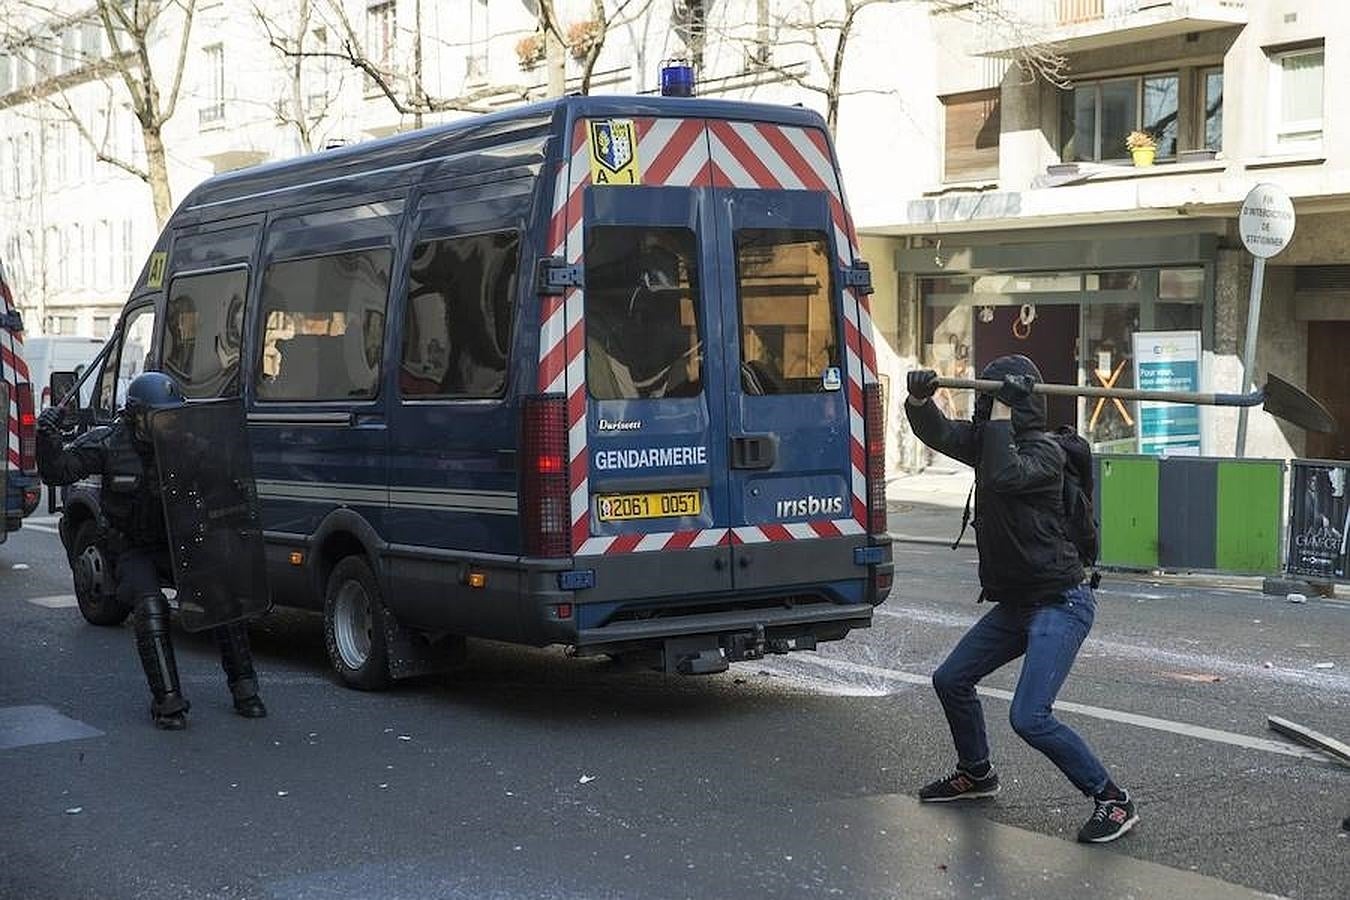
(642, 313)
(788, 336)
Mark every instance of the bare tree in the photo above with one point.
(824, 29)
(133, 31)
(298, 38)
(586, 39)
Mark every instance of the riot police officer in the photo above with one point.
(129, 495)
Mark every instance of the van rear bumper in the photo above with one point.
(833, 615)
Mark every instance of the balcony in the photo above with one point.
(1074, 26)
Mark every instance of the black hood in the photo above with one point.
(1029, 415)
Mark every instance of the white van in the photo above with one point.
(58, 353)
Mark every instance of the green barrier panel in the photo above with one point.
(1249, 523)
(1127, 507)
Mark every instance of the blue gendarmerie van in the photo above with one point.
(594, 372)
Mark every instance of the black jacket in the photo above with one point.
(1021, 533)
(129, 491)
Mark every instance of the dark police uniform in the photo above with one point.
(133, 512)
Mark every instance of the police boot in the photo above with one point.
(236, 658)
(168, 709)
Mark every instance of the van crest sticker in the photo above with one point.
(614, 152)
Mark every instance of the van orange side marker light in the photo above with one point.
(297, 558)
(477, 580)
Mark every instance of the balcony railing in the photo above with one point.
(1060, 13)
(1075, 25)
(211, 114)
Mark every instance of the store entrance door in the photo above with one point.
(1049, 339)
(1329, 381)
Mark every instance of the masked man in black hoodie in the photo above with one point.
(1030, 570)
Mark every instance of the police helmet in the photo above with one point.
(150, 391)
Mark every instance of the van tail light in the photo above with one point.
(545, 500)
(27, 428)
(875, 430)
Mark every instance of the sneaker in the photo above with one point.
(1110, 820)
(960, 785)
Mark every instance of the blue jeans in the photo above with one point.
(1049, 635)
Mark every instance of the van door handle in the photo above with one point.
(754, 451)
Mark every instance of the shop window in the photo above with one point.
(457, 325)
(970, 135)
(203, 329)
(1096, 117)
(786, 303)
(642, 309)
(323, 327)
(947, 349)
(1296, 96)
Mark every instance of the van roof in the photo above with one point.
(518, 123)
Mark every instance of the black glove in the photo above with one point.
(922, 383)
(1016, 389)
(49, 422)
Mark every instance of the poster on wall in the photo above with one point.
(1168, 361)
(1319, 520)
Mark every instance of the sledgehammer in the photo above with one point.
(1278, 397)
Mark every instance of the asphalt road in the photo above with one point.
(529, 774)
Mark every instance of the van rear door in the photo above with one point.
(654, 389)
(790, 325)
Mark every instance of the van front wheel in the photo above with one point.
(95, 591)
(354, 626)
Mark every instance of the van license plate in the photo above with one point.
(617, 507)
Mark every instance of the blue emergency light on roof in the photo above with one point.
(677, 78)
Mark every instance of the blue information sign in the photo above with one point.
(1168, 361)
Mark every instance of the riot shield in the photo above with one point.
(211, 511)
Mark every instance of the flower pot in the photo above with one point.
(1143, 156)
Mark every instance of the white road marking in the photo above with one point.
(1190, 661)
(57, 601)
(1097, 712)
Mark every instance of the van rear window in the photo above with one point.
(787, 310)
(642, 313)
(457, 325)
(323, 326)
(203, 325)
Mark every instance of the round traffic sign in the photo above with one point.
(1266, 222)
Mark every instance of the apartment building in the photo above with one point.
(1033, 231)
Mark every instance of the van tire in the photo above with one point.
(94, 588)
(355, 626)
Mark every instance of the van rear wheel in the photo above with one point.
(354, 626)
(94, 589)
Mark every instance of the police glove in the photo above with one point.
(1015, 389)
(922, 383)
(49, 422)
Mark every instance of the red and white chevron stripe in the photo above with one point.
(697, 153)
(14, 371)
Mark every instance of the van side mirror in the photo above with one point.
(59, 385)
(11, 321)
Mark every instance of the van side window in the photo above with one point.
(642, 328)
(203, 326)
(457, 325)
(323, 326)
(787, 306)
(135, 356)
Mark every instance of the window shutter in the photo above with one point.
(972, 129)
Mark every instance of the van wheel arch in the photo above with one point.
(342, 534)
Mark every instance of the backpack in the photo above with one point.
(1078, 492)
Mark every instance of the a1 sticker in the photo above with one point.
(614, 157)
(158, 263)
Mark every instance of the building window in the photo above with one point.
(970, 136)
(380, 38)
(91, 39)
(323, 327)
(1213, 109)
(321, 69)
(102, 326)
(1296, 96)
(457, 325)
(128, 251)
(1096, 117)
(213, 111)
(476, 63)
(6, 76)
